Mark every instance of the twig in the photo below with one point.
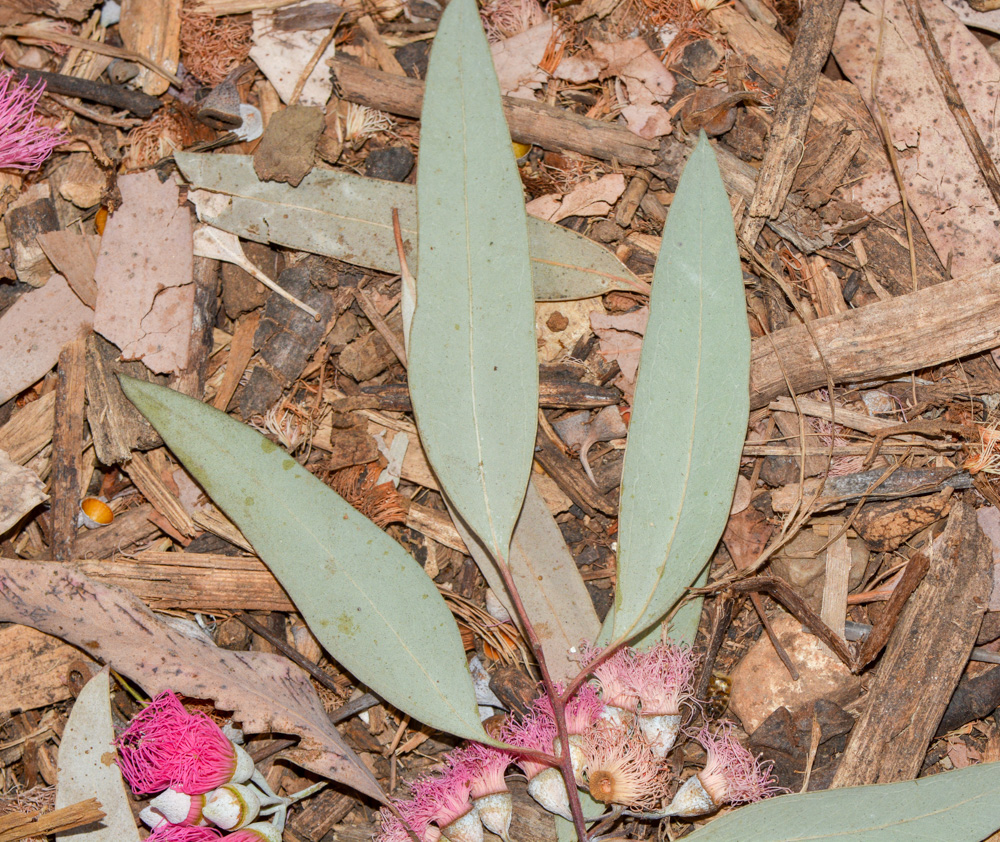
(791, 117)
(953, 99)
(87, 44)
(311, 64)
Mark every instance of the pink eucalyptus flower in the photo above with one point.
(621, 769)
(446, 797)
(615, 676)
(535, 731)
(417, 816)
(167, 746)
(25, 142)
(583, 711)
(486, 767)
(183, 833)
(732, 775)
(662, 678)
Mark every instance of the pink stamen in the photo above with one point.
(662, 678)
(732, 775)
(445, 796)
(486, 767)
(166, 746)
(183, 833)
(535, 731)
(613, 676)
(25, 142)
(583, 711)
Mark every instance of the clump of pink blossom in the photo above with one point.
(166, 746)
(25, 141)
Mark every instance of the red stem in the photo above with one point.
(565, 764)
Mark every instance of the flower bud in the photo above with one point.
(179, 808)
(548, 789)
(232, 806)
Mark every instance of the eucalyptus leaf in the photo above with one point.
(691, 404)
(366, 600)
(84, 770)
(349, 217)
(958, 806)
(473, 368)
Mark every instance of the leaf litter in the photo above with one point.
(164, 303)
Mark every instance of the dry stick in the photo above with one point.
(812, 48)
(953, 99)
(311, 64)
(891, 150)
(87, 44)
(22, 825)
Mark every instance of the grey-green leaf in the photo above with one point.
(366, 600)
(349, 217)
(473, 369)
(959, 806)
(84, 770)
(691, 404)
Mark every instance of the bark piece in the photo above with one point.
(20, 491)
(29, 430)
(287, 151)
(25, 220)
(35, 668)
(354, 446)
(241, 292)
(117, 426)
(124, 532)
(914, 331)
(152, 28)
(67, 448)
(75, 257)
(885, 526)
(924, 659)
(286, 336)
(792, 113)
(145, 294)
(82, 182)
(34, 330)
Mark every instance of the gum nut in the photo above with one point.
(265, 830)
(174, 806)
(520, 149)
(94, 512)
(661, 732)
(691, 800)
(548, 789)
(244, 766)
(151, 818)
(232, 806)
(467, 828)
(495, 812)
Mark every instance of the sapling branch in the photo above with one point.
(565, 764)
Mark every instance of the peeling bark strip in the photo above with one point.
(919, 330)
(924, 659)
(791, 116)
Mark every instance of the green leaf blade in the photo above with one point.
(959, 806)
(366, 600)
(473, 367)
(346, 216)
(691, 404)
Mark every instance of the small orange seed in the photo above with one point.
(96, 513)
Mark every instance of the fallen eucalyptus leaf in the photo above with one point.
(366, 600)
(473, 368)
(87, 768)
(266, 693)
(960, 806)
(349, 217)
(691, 404)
